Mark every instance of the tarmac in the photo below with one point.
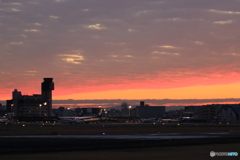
(39, 138)
(159, 136)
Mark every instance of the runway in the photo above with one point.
(158, 136)
(62, 143)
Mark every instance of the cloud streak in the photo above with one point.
(224, 12)
(96, 26)
(223, 22)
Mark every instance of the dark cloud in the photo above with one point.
(172, 104)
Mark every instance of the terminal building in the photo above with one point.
(229, 113)
(67, 112)
(213, 112)
(36, 105)
(146, 111)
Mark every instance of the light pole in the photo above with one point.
(129, 108)
(40, 105)
(100, 109)
(68, 111)
(12, 108)
(45, 103)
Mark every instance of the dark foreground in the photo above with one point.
(36, 145)
(195, 152)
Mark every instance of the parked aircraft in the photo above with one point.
(80, 116)
(5, 120)
(71, 121)
(86, 119)
(93, 119)
(164, 119)
(171, 120)
(151, 120)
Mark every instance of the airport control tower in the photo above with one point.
(47, 87)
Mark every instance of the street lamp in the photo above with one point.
(68, 109)
(129, 108)
(12, 108)
(40, 105)
(44, 108)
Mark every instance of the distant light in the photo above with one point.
(103, 133)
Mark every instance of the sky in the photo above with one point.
(128, 49)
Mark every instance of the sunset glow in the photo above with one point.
(199, 92)
(155, 49)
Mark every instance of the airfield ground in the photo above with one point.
(74, 149)
(111, 129)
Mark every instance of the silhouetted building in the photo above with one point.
(47, 87)
(174, 114)
(125, 109)
(146, 111)
(32, 105)
(229, 113)
(204, 112)
(90, 111)
(67, 112)
(192, 112)
(141, 103)
(114, 113)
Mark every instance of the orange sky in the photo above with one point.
(190, 87)
(125, 49)
(195, 92)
